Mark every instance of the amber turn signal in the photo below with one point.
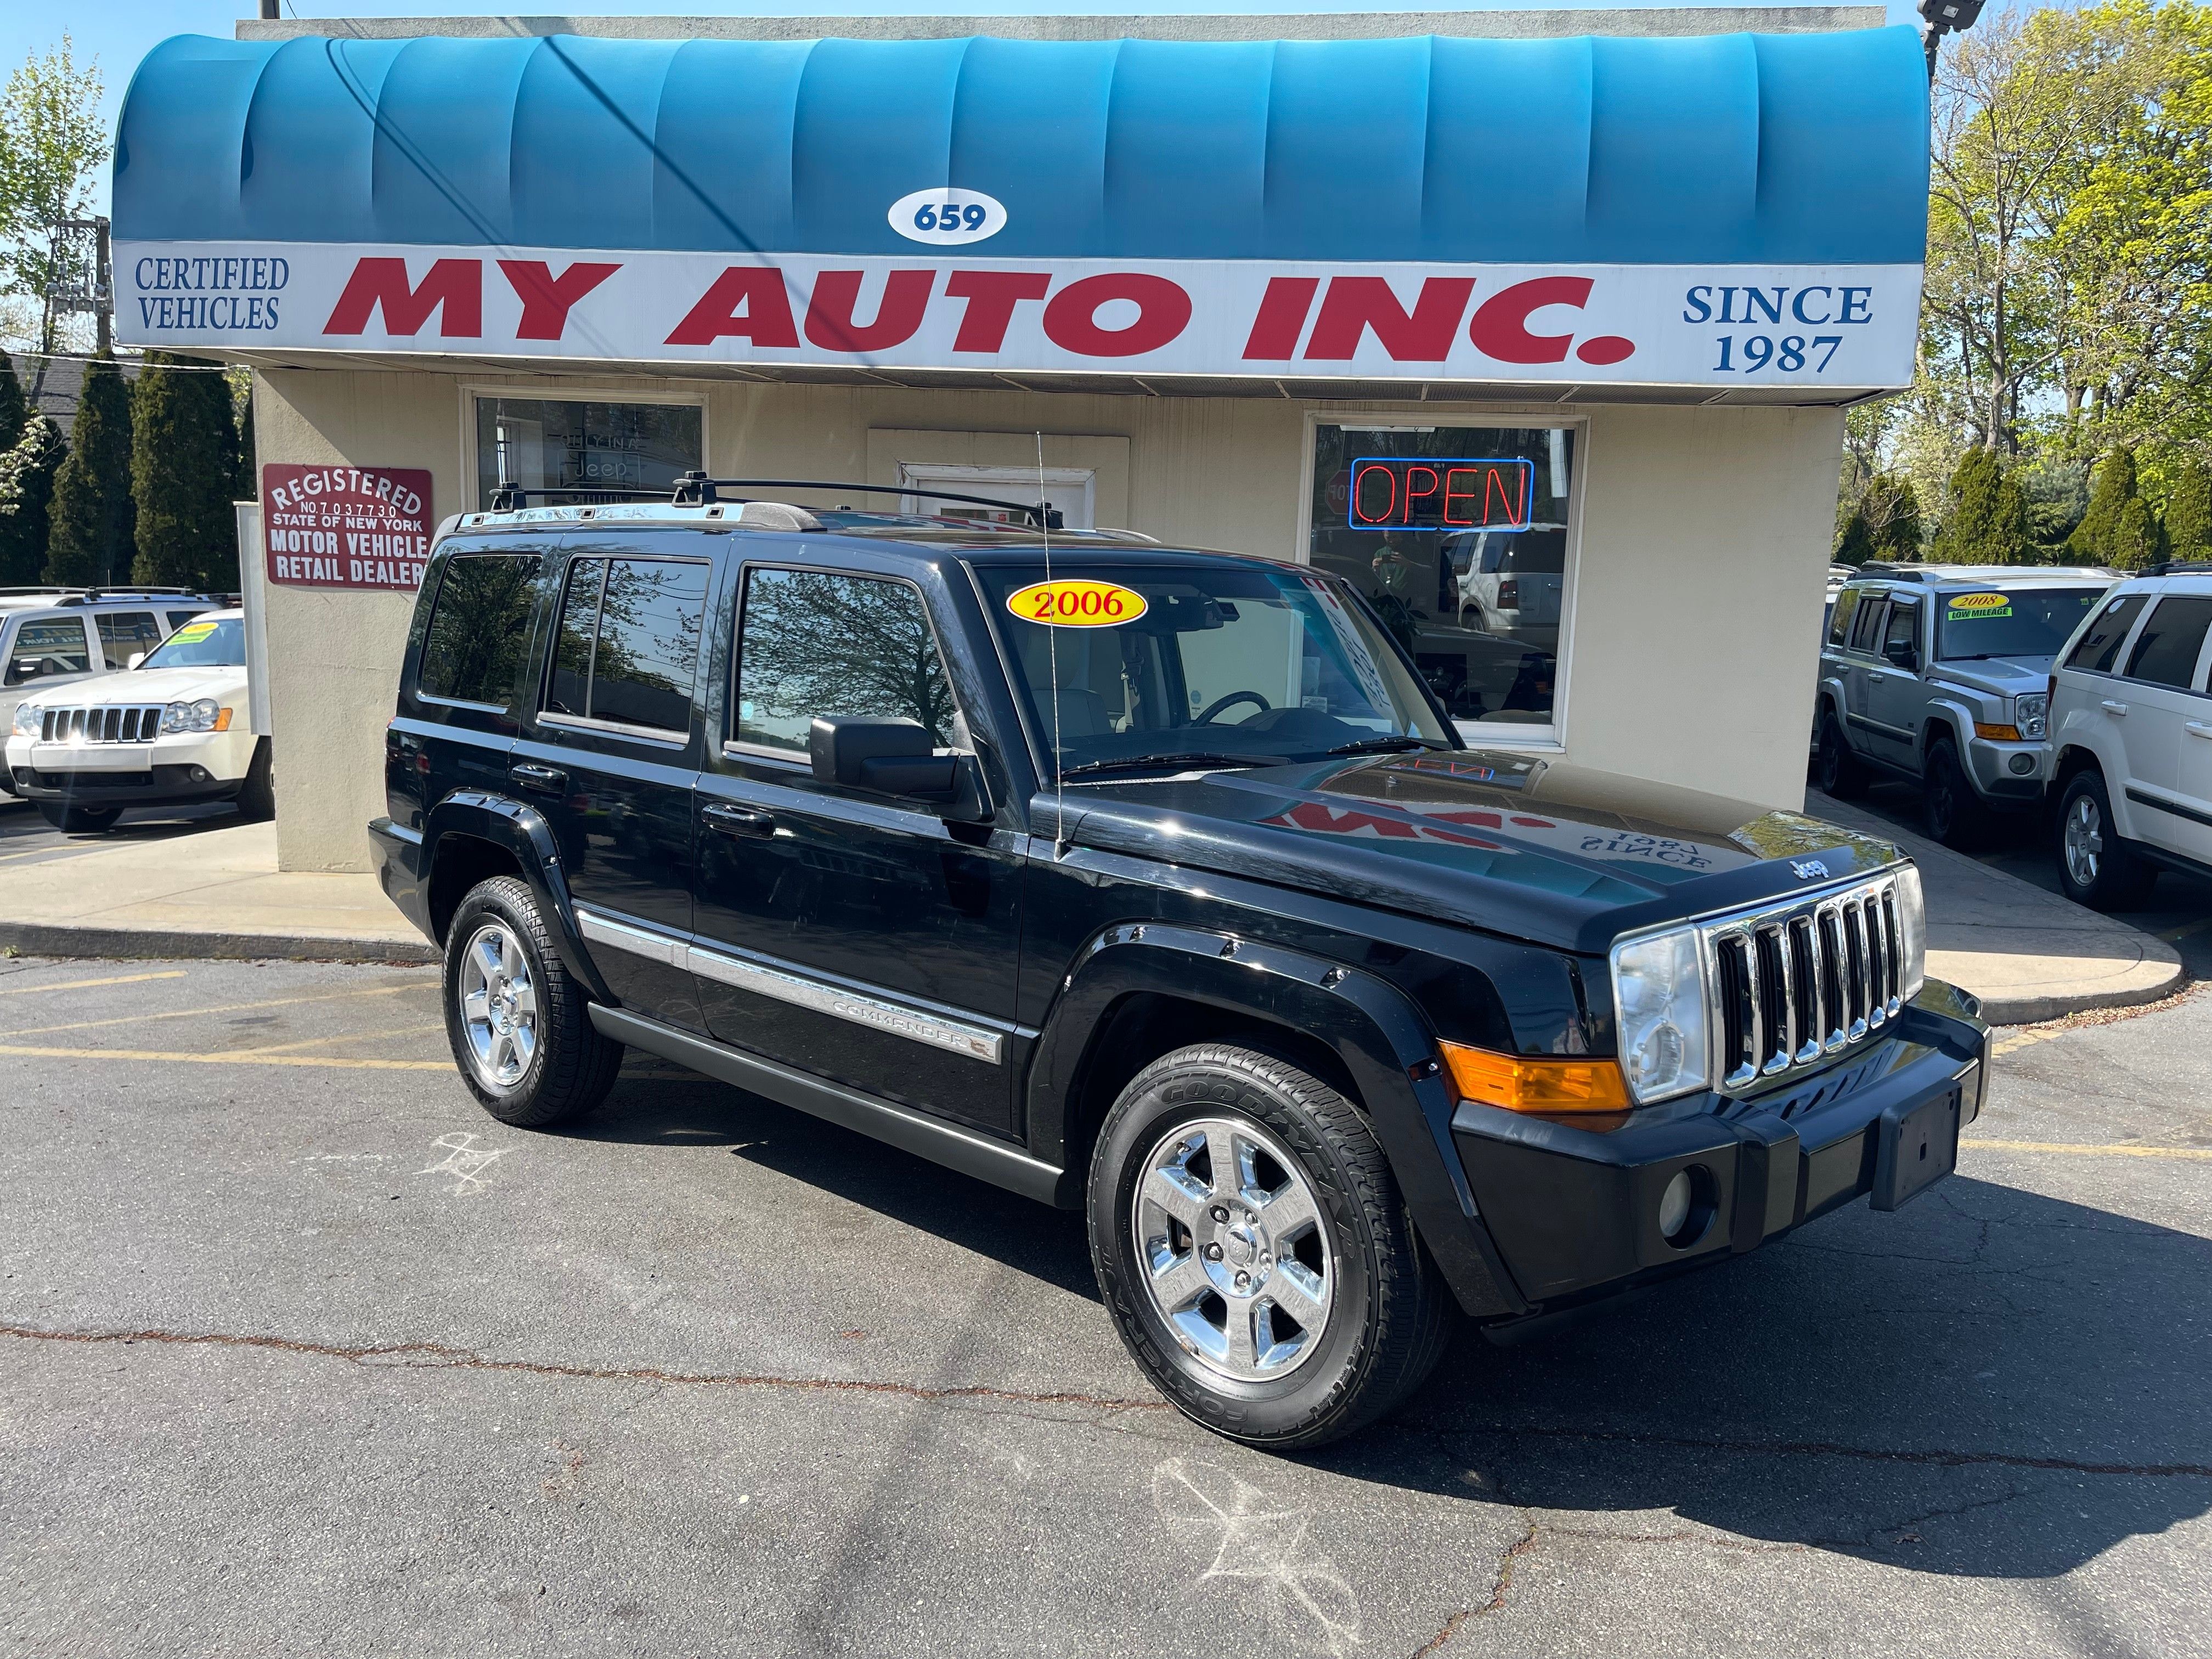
(1997, 733)
(222, 721)
(1523, 1084)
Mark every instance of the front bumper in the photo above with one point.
(1573, 1213)
(1990, 765)
(178, 767)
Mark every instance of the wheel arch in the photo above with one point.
(486, 836)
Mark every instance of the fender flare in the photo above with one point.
(522, 830)
(1377, 1035)
(1950, 712)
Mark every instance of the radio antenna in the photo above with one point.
(1052, 655)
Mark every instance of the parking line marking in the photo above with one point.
(86, 984)
(219, 1008)
(343, 1036)
(2089, 1149)
(245, 1057)
(2185, 930)
(2027, 1038)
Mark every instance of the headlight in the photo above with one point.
(27, 716)
(1659, 989)
(203, 715)
(2031, 711)
(1912, 931)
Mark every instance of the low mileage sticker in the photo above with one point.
(1073, 602)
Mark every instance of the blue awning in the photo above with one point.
(1758, 149)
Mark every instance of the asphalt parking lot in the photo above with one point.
(299, 1352)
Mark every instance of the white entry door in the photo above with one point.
(1072, 489)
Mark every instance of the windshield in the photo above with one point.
(2026, 622)
(1216, 666)
(203, 644)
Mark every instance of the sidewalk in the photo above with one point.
(2027, 954)
(189, 891)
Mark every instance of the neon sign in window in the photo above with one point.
(1396, 493)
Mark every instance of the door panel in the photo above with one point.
(1895, 696)
(852, 934)
(611, 757)
(2158, 690)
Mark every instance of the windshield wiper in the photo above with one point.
(1385, 745)
(1173, 758)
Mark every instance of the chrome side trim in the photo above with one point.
(654, 947)
(954, 1035)
(614, 728)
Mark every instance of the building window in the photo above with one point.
(1458, 537)
(545, 443)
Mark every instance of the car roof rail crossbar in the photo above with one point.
(697, 490)
(2181, 568)
(509, 498)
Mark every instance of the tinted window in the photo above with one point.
(811, 643)
(480, 629)
(1839, 622)
(44, 649)
(2019, 622)
(1904, 627)
(2101, 646)
(125, 633)
(179, 618)
(628, 641)
(2165, 652)
(1869, 626)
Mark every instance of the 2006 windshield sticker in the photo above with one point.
(1073, 603)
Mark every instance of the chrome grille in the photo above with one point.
(1797, 983)
(139, 724)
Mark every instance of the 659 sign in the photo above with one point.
(948, 216)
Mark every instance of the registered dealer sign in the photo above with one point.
(345, 527)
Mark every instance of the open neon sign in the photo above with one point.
(1392, 493)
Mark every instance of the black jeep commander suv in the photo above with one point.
(1155, 883)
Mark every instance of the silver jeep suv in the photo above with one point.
(1941, 674)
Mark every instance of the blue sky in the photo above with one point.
(118, 33)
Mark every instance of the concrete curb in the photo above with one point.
(2033, 1011)
(32, 938)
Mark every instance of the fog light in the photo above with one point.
(1674, 1206)
(199, 774)
(2021, 765)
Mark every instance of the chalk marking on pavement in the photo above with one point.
(219, 1008)
(2090, 1149)
(237, 1057)
(464, 1161)
(1260, 1546)
(86, 984)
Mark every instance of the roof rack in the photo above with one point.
(2179, 567)
(697, 490)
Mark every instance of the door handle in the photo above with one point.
(2196, 728)
(549, 780)
(738, 820)
(2112, 707)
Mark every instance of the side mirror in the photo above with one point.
(885, 756)
(1901, 653)
(136, 657)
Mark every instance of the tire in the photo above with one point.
(533, 1058)
(2095, 866)
(79, 820)
(1841, 774)
(257, 796)
(1955, 814)
(1378, 1316)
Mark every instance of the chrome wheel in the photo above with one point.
(499, 1006)
(1234, 1249)
(2085, 841)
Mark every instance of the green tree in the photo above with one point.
(27, 485)
(2119, 530)
(247, 486)
(53, 143)
(1883, 523)
(184, 466)
(1988, 520)
(89, 530)
(2188, 517)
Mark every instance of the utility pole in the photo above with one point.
(72, 292)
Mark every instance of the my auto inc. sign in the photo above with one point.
(1794, 325)
(345, 527)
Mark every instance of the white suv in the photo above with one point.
(174, 728)
(52, 636)
(2131, 738)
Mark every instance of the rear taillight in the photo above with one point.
(1509, 594)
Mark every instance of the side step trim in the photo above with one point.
(956, 1148)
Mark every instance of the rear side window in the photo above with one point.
(1867, 627)
(1839, 625)
(45, 649)
(2101, 647)
(813, 643)
(628, 641)
(2165, 652)
(479, 628)
(125, 633)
